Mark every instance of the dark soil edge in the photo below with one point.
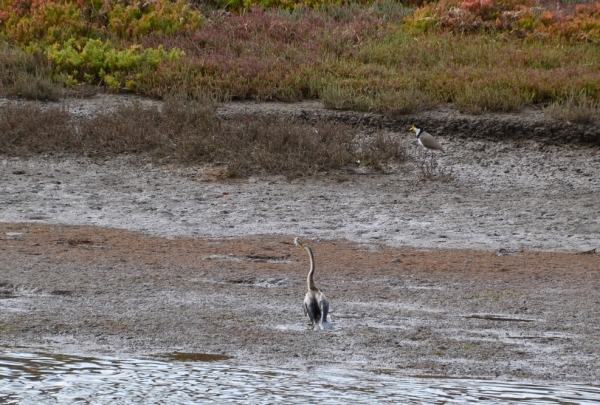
(530, 123)
(445, 121)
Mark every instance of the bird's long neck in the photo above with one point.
(309, 280)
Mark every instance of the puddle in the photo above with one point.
(297, 327)
(498, 318)
(307, 326)
(274, 282)
(268, 282)
(251, 258)
(223, 257)
(269, 259)
(195, 357)
(15, 235)
(27, 378)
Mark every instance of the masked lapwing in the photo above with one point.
(425, 140)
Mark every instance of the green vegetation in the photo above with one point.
(480, 55)
(99, 61)
(95, 41)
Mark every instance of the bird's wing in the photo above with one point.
(324, 306)
(430, 142)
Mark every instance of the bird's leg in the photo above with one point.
(431, 162)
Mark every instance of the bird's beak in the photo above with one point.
(412, 128)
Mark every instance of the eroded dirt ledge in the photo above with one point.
(444, 121)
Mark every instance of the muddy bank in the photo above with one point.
(444, 121)
(529, 124)
(460, 313)
(485, 195)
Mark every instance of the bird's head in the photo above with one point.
(298, 242)
(416, 128)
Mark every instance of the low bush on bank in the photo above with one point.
(192, 133)
(100, 62)
(575, 108)
(25, 75)
(520, 19)
(366, 63)
(480, 55)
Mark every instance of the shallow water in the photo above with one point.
(27, 378)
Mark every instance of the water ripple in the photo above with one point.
(27, 378)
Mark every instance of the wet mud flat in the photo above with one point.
(509, 315)
(478, 271)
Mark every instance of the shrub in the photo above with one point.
(26, 75)
(84, 39)
(192, 133)
(57, 21)
(100, 61)
(576, 108)
(26, 129)
(287, 5)
(524, 18)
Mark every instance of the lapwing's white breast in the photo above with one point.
(418, 132)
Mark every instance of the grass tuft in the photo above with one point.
(377, 151)
(577, 108)
(481, 99)
(430, 170)
(27, 129)
(35, 87)
(26, 76)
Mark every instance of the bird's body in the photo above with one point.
(316, 307)
(316, 304)
(426, 140)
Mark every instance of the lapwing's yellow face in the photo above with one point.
(413, 128)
